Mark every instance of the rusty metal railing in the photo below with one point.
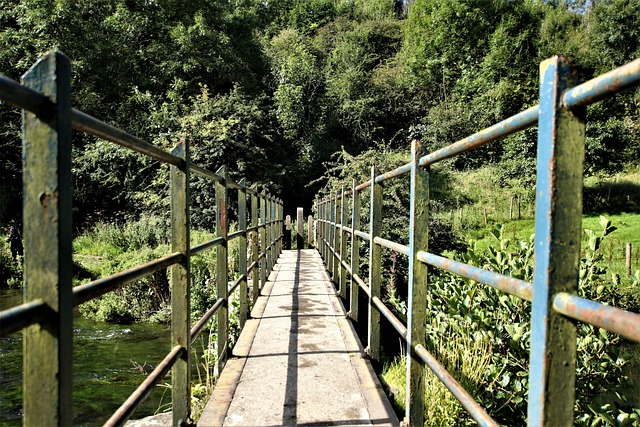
(46, 316)
(561, 138)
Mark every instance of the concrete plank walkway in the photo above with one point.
(298, 360)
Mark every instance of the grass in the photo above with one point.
(464, 357)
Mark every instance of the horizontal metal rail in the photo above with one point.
(508, 284)
(16, 318)
(91, 290)
(200, 324)
(236, 283)
(550, 332)
(120, 417)
(204, 246)
(604, 86)
(403, 249)
(603, 316)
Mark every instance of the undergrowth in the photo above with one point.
(488, 340)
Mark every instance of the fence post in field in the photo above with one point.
(242, 251)
(300, 228)
(222, 273)
(561, 140)
(255, 249)
(417, 298)
(48, 345)
(375, 265)
(355, 252)
(180, 287)
(628, 258)
(310, 232)
(343, 245)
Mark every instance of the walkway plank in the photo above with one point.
(299, 361)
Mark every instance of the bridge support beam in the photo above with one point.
(561, 139)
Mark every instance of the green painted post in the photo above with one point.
(48, 346)
(335, 271)
(263, 240)
(242, 251)
(254, 245)
(180, 289)
(343, 246)
(417, 298)
(330, 227)
(355, 252)
(222, 273)
(375, 265)
(561, 141)
(269, 232)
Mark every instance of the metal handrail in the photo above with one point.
(332, 231)
(264, 221)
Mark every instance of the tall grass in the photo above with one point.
(464, 357)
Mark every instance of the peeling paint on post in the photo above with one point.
(222, 273)
(46, 160)
(561, 139)
(180, 288)
(417, 298)
(375, 265)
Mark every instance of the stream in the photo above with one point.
(110, 361)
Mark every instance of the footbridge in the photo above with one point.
(298, 360)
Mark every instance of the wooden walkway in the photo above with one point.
(298, 360)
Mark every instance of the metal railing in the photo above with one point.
(561, 139)
(49, 297)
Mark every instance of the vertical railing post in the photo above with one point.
(280, 219)
(355, 252)
(331, 228)
(180, 288)
(417, 298)
(343, 245)
(48, 346)
(337, 216)
(561, 139)
(375, 265)
(300, 228)
(311, 235)
(222, 273)
(321, 229)
(267, 234)
(242, 251)
(255, 291)
(263, 240)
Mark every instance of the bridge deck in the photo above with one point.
(298, 360)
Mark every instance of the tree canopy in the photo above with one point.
(274, 89)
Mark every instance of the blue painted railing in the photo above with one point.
(560, 117)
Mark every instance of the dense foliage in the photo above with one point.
(273, 89)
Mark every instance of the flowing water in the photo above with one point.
(110, 361)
